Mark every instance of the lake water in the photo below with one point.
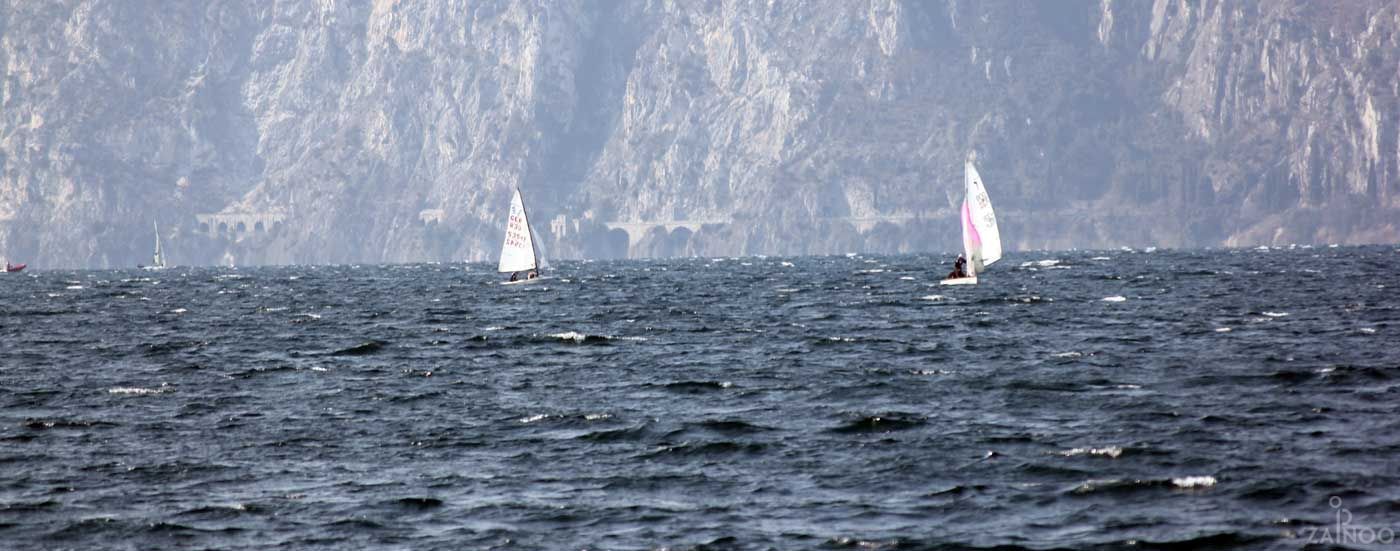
(1188, 399)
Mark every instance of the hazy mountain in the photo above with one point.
(338, 131)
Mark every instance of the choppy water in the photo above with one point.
(1075, 399)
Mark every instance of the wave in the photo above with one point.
(731, 426)
(1114, 298)
(139, 391)
(697, 387)
(582, 338)
(624, 434)
(46, 424)
(708, 448)
(1111, 452)
(416, 502)
(884, 422)
(1121, 485)
(363, 349)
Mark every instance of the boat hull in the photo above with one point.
(959, 281)
(524, 281)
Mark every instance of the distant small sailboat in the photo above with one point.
(13, 267)
(519, 256)
(981, 238)
(157, 258)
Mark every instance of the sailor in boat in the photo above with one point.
(532, 275)
(959, 268)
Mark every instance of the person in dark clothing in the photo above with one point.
(959, 268)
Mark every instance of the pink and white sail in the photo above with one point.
(981, 238)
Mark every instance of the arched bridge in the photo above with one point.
(238, 224)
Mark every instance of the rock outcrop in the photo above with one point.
(280, 131)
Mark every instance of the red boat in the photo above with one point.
(14, 267)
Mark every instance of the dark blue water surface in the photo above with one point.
(1073, 399)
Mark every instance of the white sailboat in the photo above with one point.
(981, 238)
(158, 257)
(519, 257)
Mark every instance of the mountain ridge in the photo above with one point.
(386, 131)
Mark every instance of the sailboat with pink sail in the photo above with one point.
(981, 238)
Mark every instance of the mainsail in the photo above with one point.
(981, 238)
(158, 259)
(518, 251)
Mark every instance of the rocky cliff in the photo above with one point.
(280, 131)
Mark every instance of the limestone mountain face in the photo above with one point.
(279, 131)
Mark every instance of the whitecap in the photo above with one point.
(841, 339)
(1150, 250)
(787, 264)
(1194, 482)
(1127, 387)
(1368, 330)
(575, 336)
(1111, 452)
(492, 328)
(73, 287)
(906, 278)
(871, 271)
(932, 372)
(1222, 329)
(597, 416)
(534, 418)
(136, 391)
(1067, 355)
(1101, 258)
(934, 297)
(1115, 298)
(1276, 314)
(317, 368)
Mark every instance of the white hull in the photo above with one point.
(959, 281)
(524, 281)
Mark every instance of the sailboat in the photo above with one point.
(981, 238)
(519, 256)
(12, 267)
(157, 258)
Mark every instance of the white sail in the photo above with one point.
(158, 259)
(518, 251)
(984, 247)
